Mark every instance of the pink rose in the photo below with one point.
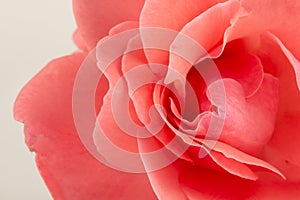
(171, 100)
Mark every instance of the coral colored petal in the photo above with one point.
(111, 49)
(282, 20)
(209, 27)
(198, 183)
(164, 14)
(285, 140)
(114, 107)
(165, 181)
(141, 92)
(140, 79)
(261, 18)
(242, 67)
(78, 40)
(124, 26)
(237, 155)
(284, 67)
(290, 56)
(96, 17)
(140, 82)
(69, 171)
(207, 30)
(111, 127)
(275, 190)
(232, 166)
(242, 113)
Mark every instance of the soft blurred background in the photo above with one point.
(31, 34)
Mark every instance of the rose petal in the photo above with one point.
(232, 166)
(290, 56)
(235, 161)
(166, 12)
(285, 140)
(282, 20)
(207, 30)
(181, 180)
(117, 119)
(69, 171)
(141, 90)
(124, 26)
(200, 183)
(96, 17)
(278, 61)
(242, 67)
(249, 123)
(209, 27)
(111, 127)
(164, 181)
(78, 40)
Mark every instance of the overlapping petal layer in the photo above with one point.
(69, 170)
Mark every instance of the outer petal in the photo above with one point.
(165, 14)
(70, 172)
(96, 17)
(280, 17)
(78, 40)
(285, 141)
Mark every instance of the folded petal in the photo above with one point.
(199, 183)
(207, 30)
(164, 14)
(234, 161)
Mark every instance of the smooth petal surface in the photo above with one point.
(242, 67)
(69, 171)
(78, 40)
(124, 26)
(96, 17)
(164, 14)
(246, 127)
(282, 20)
(285, 141)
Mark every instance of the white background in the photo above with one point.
(31, 34)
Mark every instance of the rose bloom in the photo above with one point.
(255, 46)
